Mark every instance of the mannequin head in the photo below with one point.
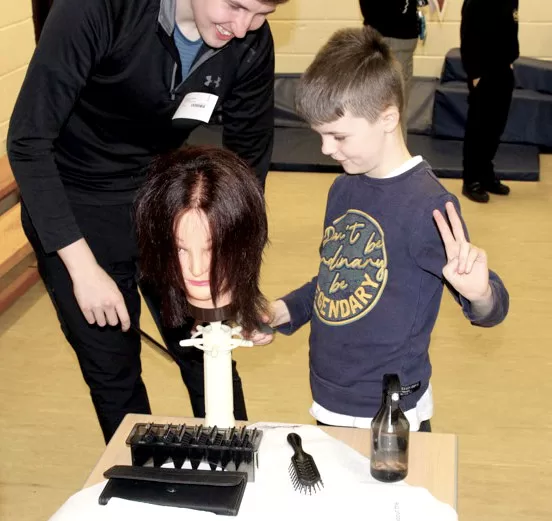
(202, 228)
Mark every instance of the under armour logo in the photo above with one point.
(209, 80)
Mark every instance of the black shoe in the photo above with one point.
(475, 192)
(496, 187)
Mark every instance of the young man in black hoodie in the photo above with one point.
(489, 46)
(113, 83)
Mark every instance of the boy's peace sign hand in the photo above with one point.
(466, 268)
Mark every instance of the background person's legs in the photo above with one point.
(404, 53)
(109, 359)
(488, 107)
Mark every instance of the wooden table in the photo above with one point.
(433, 458)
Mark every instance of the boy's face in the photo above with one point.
(218, 21)
(354, 142)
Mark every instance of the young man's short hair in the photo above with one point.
(353, 72)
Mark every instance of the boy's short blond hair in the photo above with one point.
(353, 72)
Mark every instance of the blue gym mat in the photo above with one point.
(298, 150)
(297, 147)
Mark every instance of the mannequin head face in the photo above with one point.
(202, 228)
(193, 242)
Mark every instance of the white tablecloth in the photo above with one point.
(348, 489)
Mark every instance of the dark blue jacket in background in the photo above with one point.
(488, 35)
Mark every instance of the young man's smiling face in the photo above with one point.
(354, 142)
(218, 21)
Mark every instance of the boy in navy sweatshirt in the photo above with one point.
(387, 250)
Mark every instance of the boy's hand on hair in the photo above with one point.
(279, 314)
(466, 269)
(263, 334)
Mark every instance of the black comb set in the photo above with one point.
(303, 471)
(233, 449)
(231, 453)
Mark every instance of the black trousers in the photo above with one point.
(488, 107)
(110, 359)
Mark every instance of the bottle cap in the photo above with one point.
(391, 384)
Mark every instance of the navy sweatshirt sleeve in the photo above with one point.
(501, 304)
(300, 302)
(300, 306)
(74, 38)
(428, 250)
(248, 112)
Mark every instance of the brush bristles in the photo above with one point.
(304, 477)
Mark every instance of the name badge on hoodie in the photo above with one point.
(197, 105)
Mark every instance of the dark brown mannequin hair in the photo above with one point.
(222, 186)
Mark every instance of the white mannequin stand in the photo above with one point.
(217, 342)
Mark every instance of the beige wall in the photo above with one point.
(16, 47)
(301, 26)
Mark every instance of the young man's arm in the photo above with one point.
(75, 37)
(248, 112)
(72, 41)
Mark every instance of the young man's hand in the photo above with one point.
(279, 314)
(466, 269)
(96, 292)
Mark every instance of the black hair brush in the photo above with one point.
(303, 471)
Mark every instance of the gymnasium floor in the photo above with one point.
(491, 386)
